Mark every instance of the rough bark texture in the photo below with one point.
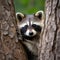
(9, 49)
(50, 43)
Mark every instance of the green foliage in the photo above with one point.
(29, 6)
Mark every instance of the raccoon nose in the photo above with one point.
(30, 33)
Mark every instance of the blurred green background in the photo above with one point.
(29, 6)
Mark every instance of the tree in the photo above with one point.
(10, 49)
(49, 47)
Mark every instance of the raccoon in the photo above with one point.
(29, 29)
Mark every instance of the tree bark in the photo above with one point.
(10, 49)
(49, 47)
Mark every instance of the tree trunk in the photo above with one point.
(49, 47)
(10, 49)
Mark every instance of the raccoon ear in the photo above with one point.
(19, 16)
(39, 14)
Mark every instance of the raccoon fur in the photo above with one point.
(29, 28)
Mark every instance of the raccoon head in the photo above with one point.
(30, 25)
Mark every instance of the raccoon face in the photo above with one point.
(30, 25)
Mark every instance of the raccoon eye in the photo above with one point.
(36, 27)
(26, 26)
(24, 29)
